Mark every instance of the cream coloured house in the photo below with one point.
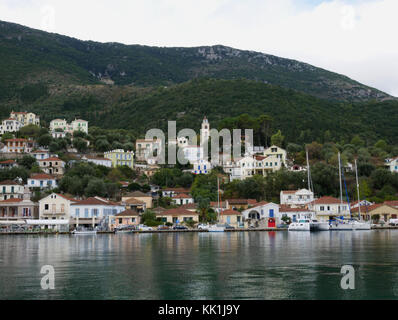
(26, 118)
(276, 152)
(138, 195)
(296, 198)
(55, 206)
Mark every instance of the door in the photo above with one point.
(271, 223)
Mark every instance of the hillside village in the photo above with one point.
(59, 178)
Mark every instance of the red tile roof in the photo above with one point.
(128, 213)
(327, 200)
(16, 140)
(284, 208)
(230, 213)
(178, 212)
(189, 206)
(8, 183)
(289, 191)
(134, 201)
(42, 176)
(368, 208)
(182, 196)
(51, 159)
(11, 200)
(8, 162)
(95, 201)
(242, 201)
(67, 198)
(393, 203)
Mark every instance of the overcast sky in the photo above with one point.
(357, 38)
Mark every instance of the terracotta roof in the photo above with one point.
(8, 162)
(8, 183)
(284, 208)
(214, 204)
(178, 212)
(134, 201)
(67, 198)
(39, 151)
(372, 207)
(242, 201)
(51, 159)
(95, 201)
(260, 158)
(158, 210)
(393, 203)
(189, 206)
(289, 191)
(128, 213)
(261, 203)
(136, 194)
(16, 140)
(43, 176)
(327, 200)
(11, 200)
(182, 196)
(178, 190)
(230, 212)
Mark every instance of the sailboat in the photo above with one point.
(351, 224)
(217, 227)
(309, 224)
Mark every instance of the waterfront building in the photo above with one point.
(11, 190)
(119, 158)
(296, 198)
(138, 195)
(240, 204)
(232, 217)
(263, 214)
(99, 161)
(148, 148)
(42, 181)
(296, 213)
(182, 198)
(125, 218)
(93, 211)
(328, 208)
(15, 209)
(379, 212)
(135, 205)
(26, 118)
(55, 207)
(177, 215)
(52, 166)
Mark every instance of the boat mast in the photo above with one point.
(359, 200)
(218, 199)
(341, 186)
(308, 171)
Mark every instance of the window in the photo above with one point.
(271, 213)
(322, 208)
(86, 212)
(46, 206)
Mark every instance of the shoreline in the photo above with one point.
(173, 231)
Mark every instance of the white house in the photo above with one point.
(193, 153)
(42, 181)
(327, 208)
(392, 164)
(147, 148)
(26, 118)
(99, 161)
(11, 189)
(41, 154)
(250, 166)
(93, 211)
(201, 167)
(9, 125)
(182, 198)
(52, 165)
(296, 197)
(266, 211)
(59, 127)
(295, 214)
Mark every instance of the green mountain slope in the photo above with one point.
(31, 56)
(301, 117)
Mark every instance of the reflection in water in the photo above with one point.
(236, 265)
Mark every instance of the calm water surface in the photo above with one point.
(251, 265)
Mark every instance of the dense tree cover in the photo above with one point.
(167, 177)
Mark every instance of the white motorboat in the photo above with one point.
(216, 228)
(301, 225)
(349, 225)
(319, 226)
(84, 232)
